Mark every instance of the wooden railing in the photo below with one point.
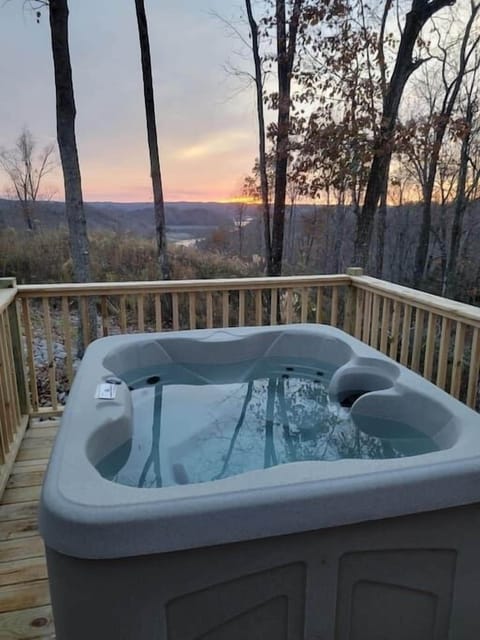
(60, 319)
(13, 401)
(436, 337)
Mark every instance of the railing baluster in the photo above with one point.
(258, 308)
(104, 312)
(318, 306)
(407, 319)
(417, 339)
(457, 365)
(52, 378)
(10, 382)
(32, 371)
(11, 369)
(375, 321)
(429, 347)
(350, 302)
(123, 314)
(288, 306)
(273, 306)
(209, 310)
(158, 313)
(304, 305)
(18, 358)
(85, 321)
(7, 435)
(192, 311)
(386, 309)
(175, 317)
(334, 308)
(5, 391)
(359, 314)
(443, 353)
(394, 337)
(241, 308)
(3, 439)
(67, 335)
(225, 308)
(367, 314)
(473, 371)
(141, 312)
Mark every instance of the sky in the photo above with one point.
(205, 117)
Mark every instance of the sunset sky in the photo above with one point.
(206, 121)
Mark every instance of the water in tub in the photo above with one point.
(191, 427)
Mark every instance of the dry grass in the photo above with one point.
(43, 257)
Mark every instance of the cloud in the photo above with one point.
(219, 143)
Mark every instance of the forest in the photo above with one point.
(377, 121)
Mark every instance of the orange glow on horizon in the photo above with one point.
(240, 200)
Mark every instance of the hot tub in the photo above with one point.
(261, 484)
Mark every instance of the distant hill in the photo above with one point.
(183, 218)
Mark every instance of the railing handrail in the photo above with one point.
(457, 311)
(178, 286)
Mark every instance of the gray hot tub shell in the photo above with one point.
(351, 549)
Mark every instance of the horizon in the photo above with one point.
(245, 201)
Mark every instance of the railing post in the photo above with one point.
(351, 302)
(17, 348)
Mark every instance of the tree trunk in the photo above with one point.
(285, 56)
(67, 144)
(382, 228)
(158, 202)
(421, 11)
(262, 157)
(339, 221)
(291, 232)
(460, 206)
(27, 216)
(421, 253)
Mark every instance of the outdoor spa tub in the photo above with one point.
(273, 483)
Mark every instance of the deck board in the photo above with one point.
(25, 612)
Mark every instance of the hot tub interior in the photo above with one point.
(208, 409)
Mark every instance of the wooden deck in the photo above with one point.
(24, 595)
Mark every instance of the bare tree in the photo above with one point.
(464, 189)
(405, 64)
(66, 138)
(26, 171)
(451, 89)
(67, 143)
(262, 154)
(158, 201)
(286, 46)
